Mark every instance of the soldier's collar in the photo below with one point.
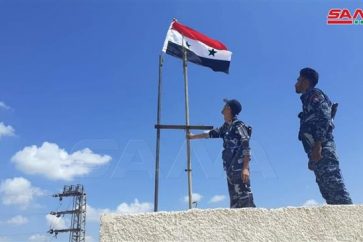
(306, 93)
(234, 119)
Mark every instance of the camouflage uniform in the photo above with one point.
(316, 125)
(236, 145)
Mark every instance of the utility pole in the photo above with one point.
(77, 231)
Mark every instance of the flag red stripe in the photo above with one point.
(192, 34)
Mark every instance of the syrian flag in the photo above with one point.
(200, 49)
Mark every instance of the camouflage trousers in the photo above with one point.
(330, 182)
(240, 193)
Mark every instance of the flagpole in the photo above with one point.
(156, 191)
(187, 131)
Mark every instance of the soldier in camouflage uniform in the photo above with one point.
(236, 154)
(316, 135)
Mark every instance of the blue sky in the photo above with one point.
(78, 91)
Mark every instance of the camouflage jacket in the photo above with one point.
(315, 119)
(235, 141)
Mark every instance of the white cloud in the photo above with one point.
(196, 197)
(135, 207)
(18, 191)
(94, 214)
(89, 239)
(4, 239)
(4, 106)
(17, 220)
(6, 130)
(55, 163)
(217, 198)
(55, 222)
(310, 203)
(39, 238)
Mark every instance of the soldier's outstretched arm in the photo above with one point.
(198, 136)
(214, 133)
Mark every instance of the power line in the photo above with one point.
(21, 234)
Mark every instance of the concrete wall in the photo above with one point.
(327, 223)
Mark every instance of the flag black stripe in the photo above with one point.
(216, 65)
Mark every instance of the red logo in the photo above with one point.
(337, 16)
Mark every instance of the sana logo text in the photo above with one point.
(338, 16)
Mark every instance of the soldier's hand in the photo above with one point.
(245, 175)
(316, 152)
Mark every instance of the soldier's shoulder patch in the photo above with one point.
(316, 97)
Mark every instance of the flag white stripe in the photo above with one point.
(198, 47)
(165, 46)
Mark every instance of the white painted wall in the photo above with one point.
(327, 223)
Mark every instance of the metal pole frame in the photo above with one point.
(157, 160)
(187, 127)
(187, 131)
